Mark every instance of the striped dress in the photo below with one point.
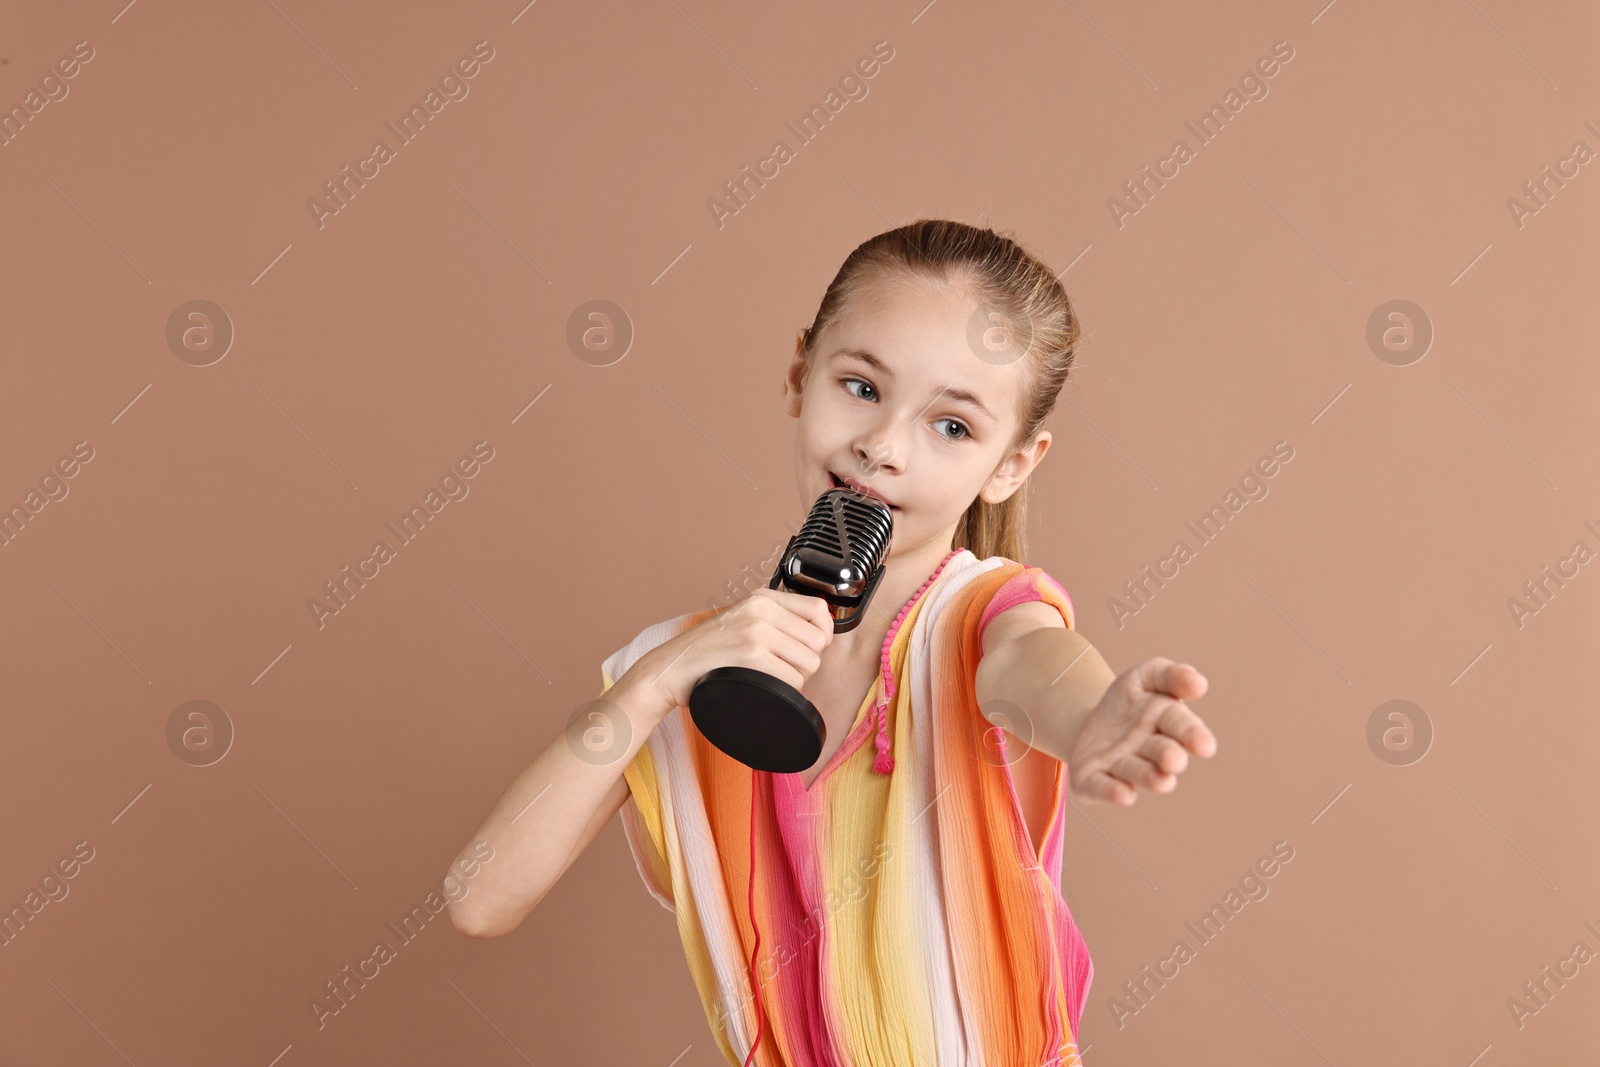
(903, 915)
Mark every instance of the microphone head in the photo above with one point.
(838, 553)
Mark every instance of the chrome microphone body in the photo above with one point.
(838, 554)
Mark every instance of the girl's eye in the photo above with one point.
(848, 382)
(857, 381)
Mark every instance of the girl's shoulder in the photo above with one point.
(1027, 583)
(1030, 571)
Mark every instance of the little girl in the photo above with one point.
(898, 902)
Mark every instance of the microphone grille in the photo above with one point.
(843, 541)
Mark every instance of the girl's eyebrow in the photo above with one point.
(951, 391)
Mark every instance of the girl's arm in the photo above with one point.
(551, 812)
(560, 801)
(1032, 661)
(1114, 733)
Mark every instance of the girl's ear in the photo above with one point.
(1014, 470)
(794, 380)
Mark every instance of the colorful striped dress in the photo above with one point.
(902, 912)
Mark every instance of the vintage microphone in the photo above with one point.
(762, 721)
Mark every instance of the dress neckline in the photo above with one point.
(845, 750)
(884, 687)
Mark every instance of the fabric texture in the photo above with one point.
(904, 916)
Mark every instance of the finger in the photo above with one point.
(794, 651)
(1165, 753)
(813, 611)
(1098, 785)
(1159, 674)
(1186, 682)
(1147, 674)
(1137, 771)
(780, 669)
(805, 618)
(1180, 722)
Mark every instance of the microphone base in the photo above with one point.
(761, 721)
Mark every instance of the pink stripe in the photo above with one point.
(1021, 589)
(1058, 587)
(1076, 965)
(799, 983)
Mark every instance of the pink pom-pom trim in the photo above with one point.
(884, 763)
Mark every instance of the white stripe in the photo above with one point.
(681, 801)
(954, 1045)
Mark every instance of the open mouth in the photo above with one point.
(840, 483)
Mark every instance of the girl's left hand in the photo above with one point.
(1140, 734)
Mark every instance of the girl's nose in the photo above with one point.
(876, 452)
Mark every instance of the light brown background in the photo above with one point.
(1228, 314)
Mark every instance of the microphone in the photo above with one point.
(762, 721)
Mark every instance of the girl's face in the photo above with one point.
(899, 403)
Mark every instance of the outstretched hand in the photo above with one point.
(1140, 734)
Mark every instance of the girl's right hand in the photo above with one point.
(772, 630)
